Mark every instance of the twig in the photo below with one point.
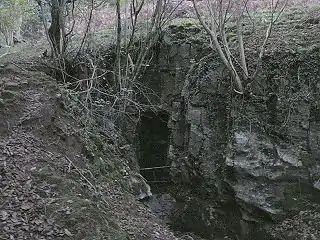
(4, 54)
(19, 67)
(80, 173)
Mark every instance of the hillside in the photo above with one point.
(49, 189)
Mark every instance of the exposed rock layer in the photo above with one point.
(247, 160)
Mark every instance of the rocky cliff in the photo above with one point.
(246, 166)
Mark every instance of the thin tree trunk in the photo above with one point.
(118, 51)
(56, 30)
(225, 57)
(45, 25)
(243, 61)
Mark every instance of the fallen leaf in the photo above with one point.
(26, 206)
(68, 233)
(4, 215)
(38, 221)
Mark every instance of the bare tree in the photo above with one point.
(220, 12)
(129, 68)
(132, 54)
(11, 13)
(56, 32)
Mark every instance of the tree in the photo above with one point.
(128, 69)
(220, 12)
(11, 20)
(56, 32)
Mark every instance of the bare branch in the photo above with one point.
(225, 56)
(268, 34)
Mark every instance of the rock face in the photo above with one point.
(252, 158)
(274, 144)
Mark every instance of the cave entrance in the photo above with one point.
(152, 147)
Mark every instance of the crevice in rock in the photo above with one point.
(152, 146)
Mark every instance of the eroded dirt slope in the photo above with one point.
(48, 187)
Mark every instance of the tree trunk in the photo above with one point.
(9, 37)
(17, 37)
(56, 28)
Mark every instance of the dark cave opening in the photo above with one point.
(152, 147)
